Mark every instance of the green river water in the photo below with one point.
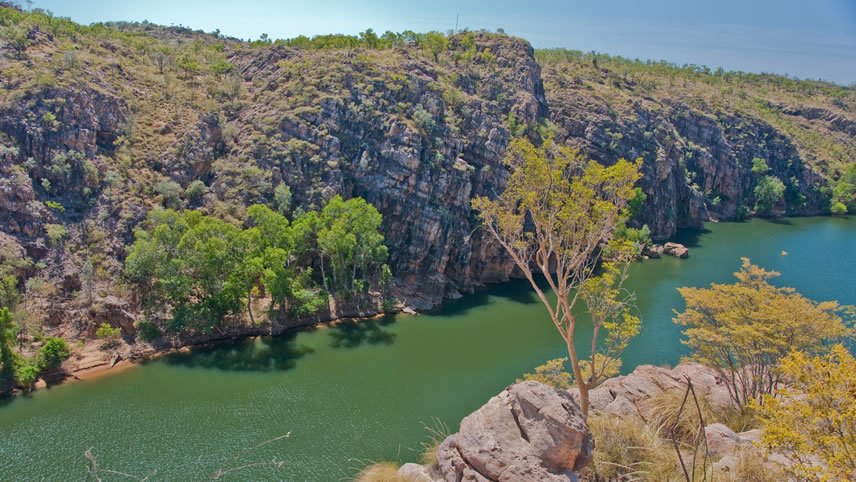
(366, 391)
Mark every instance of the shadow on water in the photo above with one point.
(353, 333)
(781, 221)
(516, 290)
(691, 238)
(265, 354)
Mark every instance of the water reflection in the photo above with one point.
(265, 354)
(353, 333)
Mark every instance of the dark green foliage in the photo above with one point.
(195, 191)
(768, 193)
(206, 271)
(53, 352)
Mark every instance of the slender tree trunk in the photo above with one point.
(324, 275)
(578, 375)
(250, 306)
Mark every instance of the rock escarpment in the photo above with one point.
(528, 432)
(91, 140)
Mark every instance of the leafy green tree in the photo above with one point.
(557, 209)
(53, 352)
(349, 237)
(282, 198)
(8, 332)
(436, 43)
(769, 191)
(8, 291)
(743, 330)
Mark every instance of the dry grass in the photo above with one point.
(437, 432)
(380, 472)
(628, 449)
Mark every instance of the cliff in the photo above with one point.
(100, 124)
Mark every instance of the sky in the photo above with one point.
(803, 38)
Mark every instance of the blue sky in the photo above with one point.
(808, 38)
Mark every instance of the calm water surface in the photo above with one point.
(366, 391)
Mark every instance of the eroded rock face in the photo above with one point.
(528, 432)
(632, 394)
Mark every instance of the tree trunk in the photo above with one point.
(582, 386)
(250, 306)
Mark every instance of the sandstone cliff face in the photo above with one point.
(417, 137)
(697, 159)
(415, 140)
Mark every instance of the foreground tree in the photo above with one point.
(557, 211)
(743, 330)
(814, 418)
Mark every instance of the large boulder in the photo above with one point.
(676, 249)
(530, 431)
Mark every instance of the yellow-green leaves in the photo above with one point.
(744, 329)
(813, 420)
(557, 211)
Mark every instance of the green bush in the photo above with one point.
(195, 191)
(53, 352)
(147, 330)
(107, 332)
(838, 208)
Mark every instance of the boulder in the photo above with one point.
(633, 393)
(530, 431)
(414, 472)
(720, 438)
(675, 249)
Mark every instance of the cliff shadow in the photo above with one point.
(691, 238)
(515, 290)
(263, 354)
(353, 333)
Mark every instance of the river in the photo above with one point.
(318, 405)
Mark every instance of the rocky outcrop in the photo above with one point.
(528, 432)
(633, 394)
(697, 158)
(676, 249)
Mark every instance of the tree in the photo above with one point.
(349, 237)
(769, 191)
(436, 43)
(611, 309)
(556, 211)
(814, 416)
(743, 330)
(162, 56)
(53, 352)
(8, 332)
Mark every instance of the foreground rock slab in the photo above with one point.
(528, 432)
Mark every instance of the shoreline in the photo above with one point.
(95, 370)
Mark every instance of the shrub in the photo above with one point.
(551, 373)
(195, 191)
(838, 208)
(170, 191)
(56, 233)
(107, 332)
(147, 330)
(53, 352)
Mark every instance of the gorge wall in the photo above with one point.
(97, 135)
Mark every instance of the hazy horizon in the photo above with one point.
(784, 37)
